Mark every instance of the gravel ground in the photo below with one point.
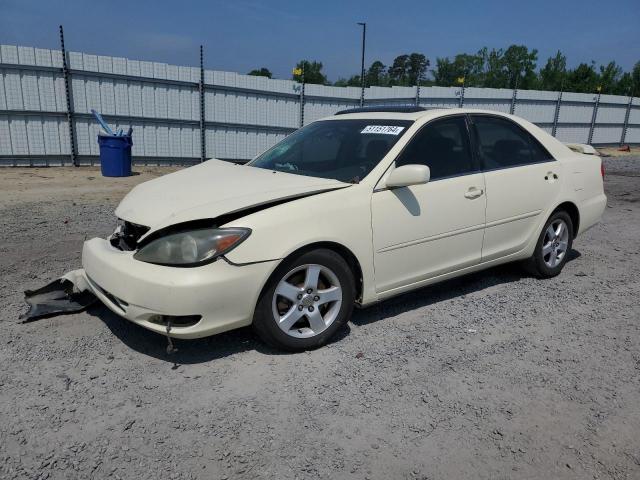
(494, 375)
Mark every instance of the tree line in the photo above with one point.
(513, 67)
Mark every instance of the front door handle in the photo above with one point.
(474, 192)
(551, 176)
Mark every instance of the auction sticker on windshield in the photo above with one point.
(383, 129)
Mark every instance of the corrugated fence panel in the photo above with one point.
(439, 97)
(573, 134)
(488, 99)
(633, 135)
(606, 134)
(576, 108)
(634, 115)
(244, 115)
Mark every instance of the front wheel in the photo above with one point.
(305, 301)
(553, 247)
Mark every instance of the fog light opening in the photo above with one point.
(176, 321)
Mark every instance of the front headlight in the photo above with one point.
(193, 247)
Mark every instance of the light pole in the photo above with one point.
(364, 38)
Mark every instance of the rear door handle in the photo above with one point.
(474, 192)
(551, 176)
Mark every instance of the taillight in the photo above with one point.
(602, 169)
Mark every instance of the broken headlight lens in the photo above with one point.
(192, 248)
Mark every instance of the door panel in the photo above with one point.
(522, 180)
(516, 199)
(426, 230)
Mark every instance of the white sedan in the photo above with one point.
(349, 210)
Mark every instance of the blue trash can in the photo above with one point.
(115, 155)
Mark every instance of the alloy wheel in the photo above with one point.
(555, 243)
(307, 301)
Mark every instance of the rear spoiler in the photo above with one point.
(582, 148)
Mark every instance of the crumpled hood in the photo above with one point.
(211, 189)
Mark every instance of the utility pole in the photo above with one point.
(364, 39)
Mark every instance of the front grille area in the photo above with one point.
(127, 235)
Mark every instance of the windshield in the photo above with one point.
(346, 150)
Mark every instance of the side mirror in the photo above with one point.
(408, 175)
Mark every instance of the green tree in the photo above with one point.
(554, 74)
(417, 65)
(495, 75)
(312, 72)
(520, 66)
(352, 81)
(623, 87)
(629, 83)
(398, 71)
(609, 77)
(447, 71)
(469, 67)
(262, 72)
(514, 66)
(376, 75)
(406, 70)
(583, 79)
(635, 79)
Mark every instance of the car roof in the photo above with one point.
(428, 114)
(421, 117)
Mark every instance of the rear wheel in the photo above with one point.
(553, 247)
(306, 301)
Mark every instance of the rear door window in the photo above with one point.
(503, 144)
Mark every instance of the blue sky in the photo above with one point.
(239, 35)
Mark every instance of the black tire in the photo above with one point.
(264, 321)
(537, 265)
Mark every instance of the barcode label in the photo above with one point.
(383, 129)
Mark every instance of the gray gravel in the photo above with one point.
(494, 375)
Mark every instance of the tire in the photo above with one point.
(553, 247)
(306, 300)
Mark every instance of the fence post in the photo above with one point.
(593, 119)
(626, 121)
(461, 102)
(514, 97)
(67, 88)
(302, 99)
(203, 145)
(418, 94)
(556, 115)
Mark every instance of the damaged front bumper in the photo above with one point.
(199, 301)
(190, 302)
(68, 294)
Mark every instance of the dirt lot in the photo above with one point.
(494, 375)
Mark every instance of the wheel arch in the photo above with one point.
(573, 212)
(344, 252)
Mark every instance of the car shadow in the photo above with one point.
(188, 352)
(446, 290)
(241, 340)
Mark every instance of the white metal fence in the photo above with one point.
(243, 115)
